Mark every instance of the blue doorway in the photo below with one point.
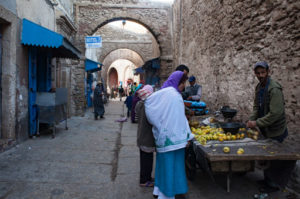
(39, 81)
(32, 81)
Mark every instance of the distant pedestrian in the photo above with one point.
(133, 87)
(121, 91)
(128, 103)
(145, 139)
(98, 101)
(135, 100)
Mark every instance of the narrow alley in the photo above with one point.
(135, 99)
(96, 159)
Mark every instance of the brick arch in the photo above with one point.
(109, 52)
(150, 29)
(123, 53)
(92, 16)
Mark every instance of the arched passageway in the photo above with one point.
(122, 54)
(123, 41)
(113, 78)
(121, 73)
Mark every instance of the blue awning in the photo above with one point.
(92, 66)
(36, 35)
(139, 70)
(155, 63)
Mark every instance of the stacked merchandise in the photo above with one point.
(198, 107)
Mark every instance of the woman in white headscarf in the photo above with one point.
(165, 111)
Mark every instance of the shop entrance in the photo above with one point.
(39, 81)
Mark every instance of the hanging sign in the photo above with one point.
(93, 42)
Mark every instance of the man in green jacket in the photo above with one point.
(269, 116)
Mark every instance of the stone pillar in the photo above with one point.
(9, 68)
(78, 88)
(166, 68)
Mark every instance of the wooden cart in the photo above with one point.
(211, 158)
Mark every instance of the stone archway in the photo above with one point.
(156, 18)
(127, 54)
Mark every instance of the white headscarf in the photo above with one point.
(165, 111)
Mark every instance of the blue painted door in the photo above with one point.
(43, 71)
(32, 86)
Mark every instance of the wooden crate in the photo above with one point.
(234, 166)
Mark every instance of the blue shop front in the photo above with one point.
(90, 67)
(151, 68)
(43, 45)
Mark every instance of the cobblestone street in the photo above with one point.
(95, 159)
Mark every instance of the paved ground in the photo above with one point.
(96, 159)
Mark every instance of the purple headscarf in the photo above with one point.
(173, 80)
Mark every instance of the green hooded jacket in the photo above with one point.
(273, 123)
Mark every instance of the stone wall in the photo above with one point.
(9, 63)
(221, 40)
(37, 11)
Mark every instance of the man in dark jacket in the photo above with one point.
(269, 116)
(194, 91)
(128, 103)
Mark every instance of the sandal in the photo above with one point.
(147, 184)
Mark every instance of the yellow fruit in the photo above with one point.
(240, 151)
(215, 137)
(233, 137)
(256, 133)
(228, 137)
(226, 149)
(228, 133)
(254, 137)
(221, 139)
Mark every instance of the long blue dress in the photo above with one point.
(170, 175)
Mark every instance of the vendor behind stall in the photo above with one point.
(183, 68)
(269, 116)
(192, 92)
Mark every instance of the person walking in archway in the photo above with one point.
(121, 92)
(135, 100)
(98, 101)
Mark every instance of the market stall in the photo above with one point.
(214, 150)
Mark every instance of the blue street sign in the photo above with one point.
(93, 42)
